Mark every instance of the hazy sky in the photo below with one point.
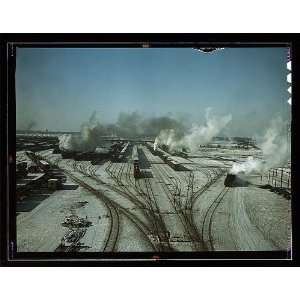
(60, 88)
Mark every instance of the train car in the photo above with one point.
(21, 165)
(181, 153)
(150, 147)
(21, 169)
(136, 169)
(87, 155)
(136, 164)
(44, 165)
(32, 167)
(56, 150)
(68, 154)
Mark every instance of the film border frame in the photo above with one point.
(8, 209)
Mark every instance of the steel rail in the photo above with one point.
(208, 218)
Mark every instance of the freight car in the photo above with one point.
(21, 169)
(181, 153)
(136, 163)
(32, 167)
(68, 154)
(84, 156)
(56, 150)
(44, 165)
(150, 147)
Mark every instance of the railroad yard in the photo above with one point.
(129, 196)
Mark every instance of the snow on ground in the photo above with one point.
(101, 171)
(40, 230)
(168, 215)
(153, 159)
(119, 198)
(271, 214)
(131, 239)
(180, 160)
(247, 218)
(242, 231)
(21, 156)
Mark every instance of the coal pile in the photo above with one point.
(75, 221)
(72, 239)
(233, 180)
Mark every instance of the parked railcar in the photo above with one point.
(68, 154)
(136, 164)
(32, 167)
(136, 169)
(21, 169)
(44, 165)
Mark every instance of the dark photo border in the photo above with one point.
(9, 255)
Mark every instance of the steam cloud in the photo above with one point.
(249, 166)
(129, 125)
(26, 124)
(275, 149)
(197, 135)
(91, 136)
(31, 125)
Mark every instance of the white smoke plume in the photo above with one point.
(249, 166)
(275, 149)
(128, 125)
(65, 142)
(197, 135)
(203, 134)
(155, 145)
(88, 139)
(275, 145)
(170, 138)
(72, 142)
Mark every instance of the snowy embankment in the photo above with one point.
(271, 214)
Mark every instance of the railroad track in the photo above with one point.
(160, 225)
(175, 195)
(119, 171)
(208, 218)
(113, 209)
(186, 210)
(189, 228)
(189, 191)
(122, 188)
(175, 182)
(114, 215)
(192, 196)
(109, 165)
(150, 209)
(116, 173)
(113, 233)
(210, 180)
